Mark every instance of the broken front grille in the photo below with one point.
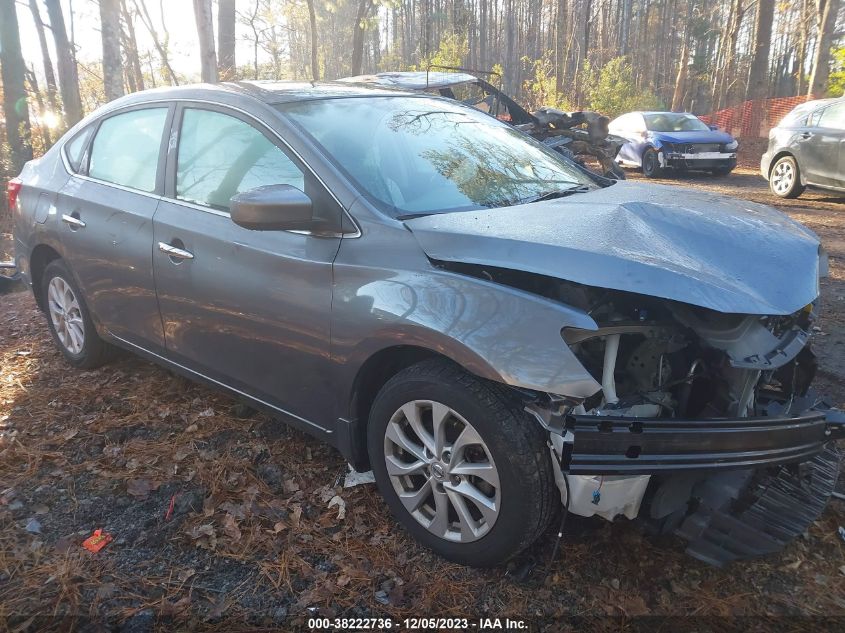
(698, 148)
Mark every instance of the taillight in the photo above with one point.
(12, 191)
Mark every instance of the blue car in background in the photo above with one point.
(673, 140)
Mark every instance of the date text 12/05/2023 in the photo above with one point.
(417, 624)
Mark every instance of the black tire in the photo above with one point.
(516, 444)
(791, 189)
(651, 164)
(94, 351)
(616, 172)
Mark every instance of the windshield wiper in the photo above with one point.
(554, 193)
(412, 216)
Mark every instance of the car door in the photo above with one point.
(820, 144)
(248, 309)
(106, 211)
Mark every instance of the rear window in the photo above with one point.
(833, 117)
(126, 148)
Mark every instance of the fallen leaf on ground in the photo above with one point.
(139, 488)
(341, 507)
(230, 527)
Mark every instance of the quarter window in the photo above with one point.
(220, 156)
(126, 148)
(76, 146)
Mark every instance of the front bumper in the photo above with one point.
(615, 445)
(699, 160)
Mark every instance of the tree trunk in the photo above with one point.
(801, 54)
(587, 23)
(46, 141)
(66, 63)
(226, 39)
(758, 75)
(161, 46)
(361, 15)
(49, 74)
(680, 82)
(15, 106)
(133, 60)
(826, 12)
(205, 32)
(110, 31)
(315, 61)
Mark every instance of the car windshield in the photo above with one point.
(674, 122)
(421, 155)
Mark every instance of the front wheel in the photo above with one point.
(460, 464)
(69, 320)
(651, 164)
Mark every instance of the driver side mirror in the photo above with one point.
(272, 208)
(715, 128)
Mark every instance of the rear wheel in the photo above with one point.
(460, 464)
(785, 178)
(651, 164)
(69, 320)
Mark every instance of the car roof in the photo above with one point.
(664, 112)
(269, 92)
(411, 80)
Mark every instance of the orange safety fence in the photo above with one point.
(753, 118)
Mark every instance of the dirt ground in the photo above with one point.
(224, 521)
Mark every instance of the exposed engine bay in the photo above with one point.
(695, 404)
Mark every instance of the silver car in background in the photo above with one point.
(497, 334)
(807, 149)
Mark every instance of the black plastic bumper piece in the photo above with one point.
(641, 446)
(763, 516)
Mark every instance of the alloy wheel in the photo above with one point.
(442, 471)
(783, 175)
(66, 315)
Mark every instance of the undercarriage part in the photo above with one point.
(748, 343)
(608, 383)
(760, 515)
(604, 496)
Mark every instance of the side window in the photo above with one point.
(833, 117)
(76, 146)
(126, 148)
(220, 155)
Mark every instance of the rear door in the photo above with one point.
(249, 309)
(819, 146)
(106, 211)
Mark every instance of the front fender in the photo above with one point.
(494, 331)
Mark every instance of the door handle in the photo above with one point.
(174, 252)
(806, 135)
(73, 221)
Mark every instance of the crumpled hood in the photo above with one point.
(699, 248)
(702, 136)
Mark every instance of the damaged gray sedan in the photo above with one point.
(498, 335)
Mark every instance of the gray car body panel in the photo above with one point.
(818, 151)
(698, 248)
(382, 291)
(388, 294)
